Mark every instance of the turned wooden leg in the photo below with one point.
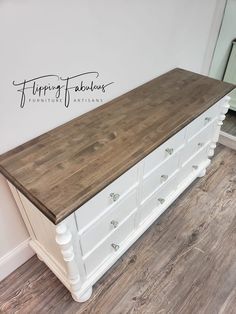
(223, 110)
(202, 173)
(64, 240)
(82, 297)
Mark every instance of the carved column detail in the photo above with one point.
(224, 107)
(64, 240)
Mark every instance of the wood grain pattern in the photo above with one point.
(184, 263)
(62, 169)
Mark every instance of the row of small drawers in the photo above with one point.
(160, 196)
(116, 240)
(175, 143)
(118, 210)
(109, 214)
(158, 166)
(163, 172)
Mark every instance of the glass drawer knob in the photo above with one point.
(115, 246)
(195, 167)
(207, 119)
(164, 177)
(161, 200)
(114, 223)
(114, 196)
(170, 150)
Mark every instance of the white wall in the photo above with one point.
(14, 249)
(127, 41)
(227, 34)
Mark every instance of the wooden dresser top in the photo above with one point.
(65, 167)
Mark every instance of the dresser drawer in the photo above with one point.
(202, 121)
(110, 247)
(165, 151)
(157, 201)
(193, 164)
(197, 142)
(92, 210)
(160, 175)
(108, 223)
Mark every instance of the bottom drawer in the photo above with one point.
(193, 164)
(109, 248)
(157, 201)
(103, 227)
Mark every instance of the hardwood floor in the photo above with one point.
(185, 263)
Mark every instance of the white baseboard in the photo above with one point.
(15, 258)
(227, 140)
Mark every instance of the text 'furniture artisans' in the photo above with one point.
(89, 188)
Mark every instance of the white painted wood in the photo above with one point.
(202, 173)
(82, 247)
(202, 121)
(157, 201)
(110, 247)
(108, 224)
(95, 208)
(65, 242)
(161, 175)
(193, 164)
(161, 154)
(142, 228)
(50, 261)
(195, 143)
(23, 212)
(44, 230)
(223, 108)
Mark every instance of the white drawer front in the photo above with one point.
(108, 223)
(160, 175)
(92, 210)
(165, 151)
(109, 248)
(155, 204)
(193, 164)
(202, 121)
(196, 143)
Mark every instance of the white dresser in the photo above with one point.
(85, 244)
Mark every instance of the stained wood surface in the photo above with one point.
(64, 168)
(184, 263)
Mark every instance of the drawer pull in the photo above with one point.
(114, 196)
(170, 150)
(161, 200)
(208, 119)
(114, 223)
(115, 246)
(164, 177)
(195, 167)
(200, 144)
